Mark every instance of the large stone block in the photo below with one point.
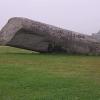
(40, 37)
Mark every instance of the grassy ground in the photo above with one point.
(31, 76)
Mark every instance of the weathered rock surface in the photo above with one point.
(32, 35)
(96, 36)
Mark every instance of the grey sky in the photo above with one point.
(78, 15)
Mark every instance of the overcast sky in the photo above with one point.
(78, 15)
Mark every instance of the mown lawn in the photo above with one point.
(32, 76)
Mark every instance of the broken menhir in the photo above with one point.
(32, 35)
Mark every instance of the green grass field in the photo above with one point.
(32, 76)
